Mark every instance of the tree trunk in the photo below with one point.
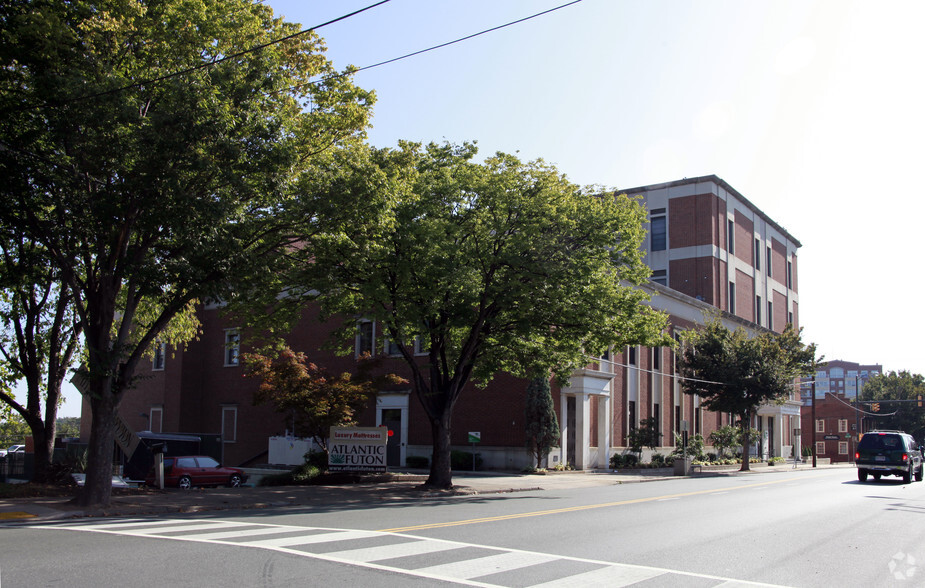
(97, 488)
(746, 442)
(441, 473)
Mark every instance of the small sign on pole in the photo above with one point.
(474, 437)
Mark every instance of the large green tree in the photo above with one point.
(39, 338)
(147, 147)
(906, 414)
(734, 372)
(484, 267)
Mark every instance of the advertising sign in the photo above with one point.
(357, 449)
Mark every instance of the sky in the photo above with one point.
(813, 110)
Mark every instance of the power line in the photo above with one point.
(466, 38)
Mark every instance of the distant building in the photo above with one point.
(711, 251)
(838, 384)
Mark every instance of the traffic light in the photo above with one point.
(919, 403)
(875, 407)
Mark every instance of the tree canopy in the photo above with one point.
(148, 146)
(733, 372)
(906, 415)
(485, 267)
(313, 397)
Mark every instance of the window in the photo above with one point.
(159, 354)
(229, 424)
(790, 275)
(730, 236)
(365, 340)
(790, 317)
(757, 254)
(758, 309)
(660, 277)
(820, 426)
(820, 447)
(658, 233)
(842, 448)
(657, 358)
(632, 356)
(842, 425)
(732, 298)
(770, 315)
(156, 419)
(632, 415)
(769, 262)
(232, 347)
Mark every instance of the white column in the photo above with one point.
(582, 431)
(563, 429)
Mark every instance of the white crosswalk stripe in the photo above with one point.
(484, 563)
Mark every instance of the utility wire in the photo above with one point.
(466, 38)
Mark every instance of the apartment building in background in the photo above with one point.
(711, 251)
(838, 420)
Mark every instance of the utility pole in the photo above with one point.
(812, 390)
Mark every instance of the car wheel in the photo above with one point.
(877, 477)
(907, 476)
(235, 481)
(919, 473)
(862, 475)
(185, 482)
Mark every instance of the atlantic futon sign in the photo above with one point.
(359, 449)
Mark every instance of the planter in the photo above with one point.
(682, 466)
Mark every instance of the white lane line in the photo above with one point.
(613, 576)
(492, 564)
(370, 554)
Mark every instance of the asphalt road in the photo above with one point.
(808, 528)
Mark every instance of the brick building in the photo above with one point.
(710, 249)
(834, 432)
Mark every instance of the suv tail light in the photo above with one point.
(905, 457)
(857, 455)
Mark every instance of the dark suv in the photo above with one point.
(888, 453)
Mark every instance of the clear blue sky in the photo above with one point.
(813, 110)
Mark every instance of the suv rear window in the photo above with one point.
(878, 441)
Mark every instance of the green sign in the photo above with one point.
(475, 437)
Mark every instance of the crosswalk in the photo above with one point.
(451, 561)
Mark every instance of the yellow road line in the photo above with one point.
(575, 508)
(15, 515)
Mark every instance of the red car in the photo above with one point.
(197, 470)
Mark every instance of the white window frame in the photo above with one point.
(820, 447)
(842, 425)
(156, 417)
(160, 357)
(842, 448)
(820, 425)
(232, 348)
(357, 351)
(233, 438)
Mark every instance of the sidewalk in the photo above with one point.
(137, 502)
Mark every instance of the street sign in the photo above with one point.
(475, 436)
(830, 437)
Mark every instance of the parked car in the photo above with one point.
(888, 453)
(16, 449)
(197, 470)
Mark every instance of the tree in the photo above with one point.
(542, 425)
(732, 372)
(39, 339)
(902, 416)
(725, 437)
(314, 398)
(645, 435)
(147, 146)
(490, 267)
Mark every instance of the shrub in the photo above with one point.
(318, 459)
(616, 461)
(462, 461)
(775, 460)
(417, 461)
(658, 460)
